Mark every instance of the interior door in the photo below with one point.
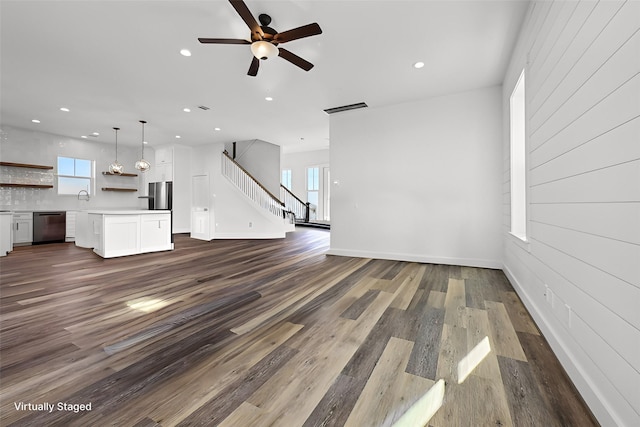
(200, 213)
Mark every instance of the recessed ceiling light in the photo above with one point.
(216, 128)
(144, 142)
(84, 136)
(35, 121)
(186, 110)
(95, 133)
(418, 64)
(268, 98)
(178, 136)
(65, 109)
(185, 52)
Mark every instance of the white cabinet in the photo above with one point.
(70, 234)
(22, 227)
(173, 163)
(6, 222)
(164, 172)
(164, 164)
(121, 233)
(155, 233)
(164, 155)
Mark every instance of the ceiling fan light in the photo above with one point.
(264, 49)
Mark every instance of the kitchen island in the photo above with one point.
(6, 232)
(114, 233)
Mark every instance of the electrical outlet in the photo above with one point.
(250, 224)
(568, 314)
(548, 295)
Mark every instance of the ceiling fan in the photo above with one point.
(264, 39)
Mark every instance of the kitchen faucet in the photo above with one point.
(86, 195)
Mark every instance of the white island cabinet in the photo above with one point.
(6, 223)
(127, 232)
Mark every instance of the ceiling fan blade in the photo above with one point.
(223, 41)
(298, 33)
(247, 17)
(295, 59)
(253, 69)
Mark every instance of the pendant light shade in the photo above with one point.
(142, 165)
(115, 167)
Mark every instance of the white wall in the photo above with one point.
(32, 147)
(583, 126)
(261, 159)
(419, 181)
(233, 215)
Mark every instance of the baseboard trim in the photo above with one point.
(589, 390)
(243, 236)
(467, 262)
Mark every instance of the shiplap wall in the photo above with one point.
(582, 64)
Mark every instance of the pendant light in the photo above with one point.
(142, 165)
(115, 167)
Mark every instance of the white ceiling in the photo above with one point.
(115, 62)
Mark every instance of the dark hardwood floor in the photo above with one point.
(267, 333)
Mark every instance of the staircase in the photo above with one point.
(302, 211)
(255, 191)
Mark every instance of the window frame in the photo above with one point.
(286, 181)
(76, 175)
(518, 160)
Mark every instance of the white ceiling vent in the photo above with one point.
(345, 108)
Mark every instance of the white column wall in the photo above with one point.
(419, 181)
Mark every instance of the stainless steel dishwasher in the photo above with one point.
(49, 227)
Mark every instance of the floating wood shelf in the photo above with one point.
(25, 165)
(3, 184)
(118, 189)
(119, 174)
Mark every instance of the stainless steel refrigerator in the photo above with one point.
(160, 195)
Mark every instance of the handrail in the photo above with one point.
(282, 187)
(251, 187)
(294, 204)
(226, 153)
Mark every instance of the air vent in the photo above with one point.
(345, 108)
(203, 107)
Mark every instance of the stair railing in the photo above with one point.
(251, 187)
(294, 204)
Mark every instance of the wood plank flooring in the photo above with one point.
(267, 333)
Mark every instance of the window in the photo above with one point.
(286, 178)
(313, 186)
(518, 161)
(74, 175)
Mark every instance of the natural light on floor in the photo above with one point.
(147, 305)
(421, 412)
(473, 359)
